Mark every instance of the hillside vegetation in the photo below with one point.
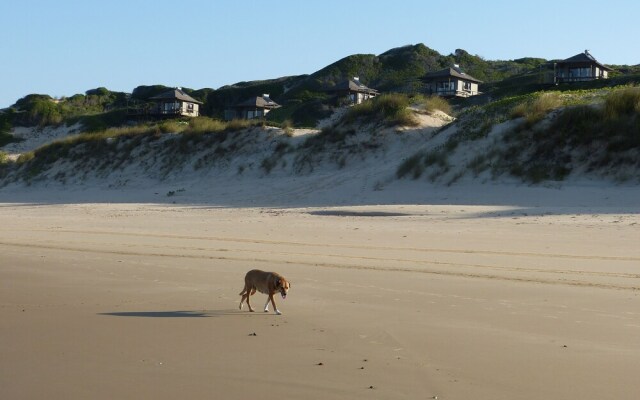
(519, 128)
(303, 97)
(541, 136)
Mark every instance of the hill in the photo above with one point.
(303, 97)
(485, 141)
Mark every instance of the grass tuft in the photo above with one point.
(431, 104)
(535, 110)
(624, 102)
(391, 109)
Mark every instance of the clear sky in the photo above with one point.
(63, 47)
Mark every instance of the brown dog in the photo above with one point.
(268, 283)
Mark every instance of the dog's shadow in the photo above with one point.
(178, 314)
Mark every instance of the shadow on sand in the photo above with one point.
(177, 314)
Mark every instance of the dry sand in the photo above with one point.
(139, 301)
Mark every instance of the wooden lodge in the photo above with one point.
(175, 102)
(451, 82)
(580, 68)
(354, 91)
(252, 108)
(172, 103)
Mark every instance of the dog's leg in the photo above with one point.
(273, 302)
(242, 300)
(249, 304)
(244, 294)
(266, 305)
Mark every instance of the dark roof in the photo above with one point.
(352, 85)
(450, 72)
(263, 101)
(174, 94)
(584, 58)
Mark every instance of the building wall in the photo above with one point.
(178, 108)
(190, 109)
(453, 87)
(245, 113)
(357, 97)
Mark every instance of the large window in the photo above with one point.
(170, 107)
(446, 86)
(580, 72)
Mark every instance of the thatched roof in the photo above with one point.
(175, 94)
(263, 101)
(454, 72)
(352, 85)
(584, 58)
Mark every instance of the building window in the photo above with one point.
(580, 72)
(466, 86)
(445, 86)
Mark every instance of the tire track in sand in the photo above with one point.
(333, 265)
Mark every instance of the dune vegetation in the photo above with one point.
(519, 127)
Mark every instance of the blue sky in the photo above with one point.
(64, 47)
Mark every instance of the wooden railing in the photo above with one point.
(455, 93)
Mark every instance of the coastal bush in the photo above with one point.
(101, 121)
(287, 127)
(390, 109)
(205, 125)
(43, 110)
(172, 126)
(536, 109)
(412, 165)
(328, 135)
(434, 103)
(238, 124)
(416, 164)
(622, 102)
(599, 137)
(6, 138)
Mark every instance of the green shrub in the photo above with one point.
(172, 126)
(6, 138)
(434, 103)
(601, 137)
(535, 110)
(391, 109)
(622, 102)
(416, 164)
(238, 124)
(25, 157)
(205, 125)
(412, 165)
(328, 135)
(101, 121)
(287, 127)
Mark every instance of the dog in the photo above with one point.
(268, 283)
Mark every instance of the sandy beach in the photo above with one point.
(140, 300)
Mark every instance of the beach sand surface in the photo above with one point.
(140, 301)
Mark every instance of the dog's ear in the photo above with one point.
(277, 282)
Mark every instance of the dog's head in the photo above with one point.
(282, 285)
